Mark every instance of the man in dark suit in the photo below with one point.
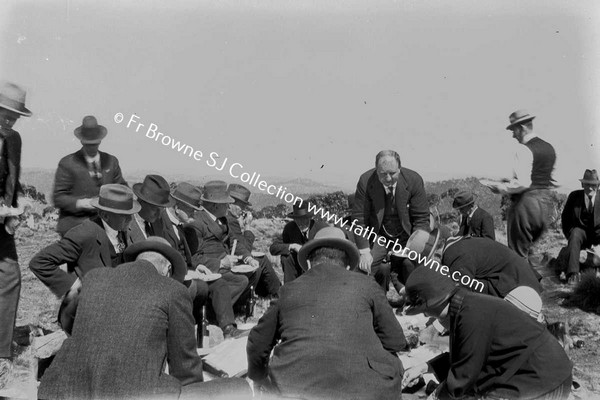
(80, 175)
(496, 350)
(320, 353)
(12, 107)
(475, 221)
(98, 242)
(139, 320)
(209, 240)
(295, 234)
(239, 220)
(390, 202)
(581, 222)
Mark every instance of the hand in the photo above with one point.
(254, 263)
(75, 289)
(203, 269)
(412, 374)
(295, 247)
(366, 260)
(182, 215)
(11, 224)
(84, 204)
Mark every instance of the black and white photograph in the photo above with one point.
(300, 199)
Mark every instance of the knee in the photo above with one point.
(384, 269)
(577, 235)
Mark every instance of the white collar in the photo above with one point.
(473, 211)
(172, 216)
(90, 160)
(528, 137)
(210, 215)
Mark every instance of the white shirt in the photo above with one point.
(141, 224)
(113, 236)
(588, 199)
(174, 221)
(470, 214)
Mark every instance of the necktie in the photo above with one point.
(590, 205)
(121, 245)
(148, 228)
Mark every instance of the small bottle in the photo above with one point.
(250, 305)
(202, 331)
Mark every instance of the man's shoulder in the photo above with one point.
(87, 228)
(576, 193)
(107, 156)
(410, 175)
(70, 158)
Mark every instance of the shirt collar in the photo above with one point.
(528, 137)
(172, 217)
(210, 215)
(90, 160)
(392, 186)
(472, 212)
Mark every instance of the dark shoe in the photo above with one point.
(574, 278)
(231, 332)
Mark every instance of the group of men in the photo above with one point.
(172, 250)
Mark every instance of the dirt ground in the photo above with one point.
(38, 307)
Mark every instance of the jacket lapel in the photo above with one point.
(212, 226)
(378, 197)
(402, 202)
(596, 209)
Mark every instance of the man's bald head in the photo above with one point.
(387, 163)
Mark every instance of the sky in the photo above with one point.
(309, 89)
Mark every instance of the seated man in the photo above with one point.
(210, 241)
(239, 220)
(131, 321)
(333, 332)
(223, 292)
(475, 220)
(496, 350)
(581, 222)
(497, 269)
(295, 233)
(97, 242)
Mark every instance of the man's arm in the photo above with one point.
(386, 325)
(418, 206)
(184, 362)
(235, 233)
(487, 226)
(63, 187)
(281, 246)
(261, 340)
(567, 216)
(118, 176)
(194, 234)
(13, 143)
(360, 210)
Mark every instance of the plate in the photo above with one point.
(243, 268)
(258, 254)
(209, 277)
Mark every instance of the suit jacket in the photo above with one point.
(498, 350)
(180, 243)
(245, 239)
(499, 268)
(10, 167)
(83, 248)
(208, 243)
(130, 321)
(136, 234)
(481, 224)
(73, 182)
(337, 333)
(571, 215)
(410, 198)
(292, 234)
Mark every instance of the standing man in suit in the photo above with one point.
(95, 243)
(80, 175)
(318, 351)
(391, 200)
(139, 319)
(12, 107)
(475, 221)
(209, 234)
(295, 234)
(528, 216)
(581, 222)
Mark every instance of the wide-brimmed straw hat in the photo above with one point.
(90, 132)
(12, 97)
(239, 194)
(427, 289)
(462, 199)
(158, 245)
(154, 190)
(519, 117)
(329, 237)
(423, 242)
(590, 176)
(216, 192)
(188, 194)
(117, 199)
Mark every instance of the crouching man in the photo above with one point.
(337, 333)
(131, 321)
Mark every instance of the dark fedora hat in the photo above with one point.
(424, 243)
(158, 245)
(188, 194)
(519, 117)
(12, 97)
(329, 237)
(154, 190)
(590, 176)
(216, 192)
(299, 210)
(462, 199)
(90, 132)
(117, 199)
(239, 193)
(427, 289)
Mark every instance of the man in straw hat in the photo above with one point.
(581, 222)
(295, 234)
(79, 176)
(12, 107)
(222, 292)
(97, 242)
(529, 188)
(334, 333)
(139, 318)
(213, 244)
(475, 221)
(496, 350)
(390, 202)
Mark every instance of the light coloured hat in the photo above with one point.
(590, 176)
(519, 117)
(117, 199)
(12, 97)
(527, 300)
(216, 192)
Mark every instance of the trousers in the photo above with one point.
(10, 289)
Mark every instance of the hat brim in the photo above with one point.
(135, 208)
(590, 181)
(23, 111)
(519, 121)
(236, 199)
(342, 244)
(185, 202)
(103, 133)
(229, 200)
(176, 259)
(458, 207)
(136, 190)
